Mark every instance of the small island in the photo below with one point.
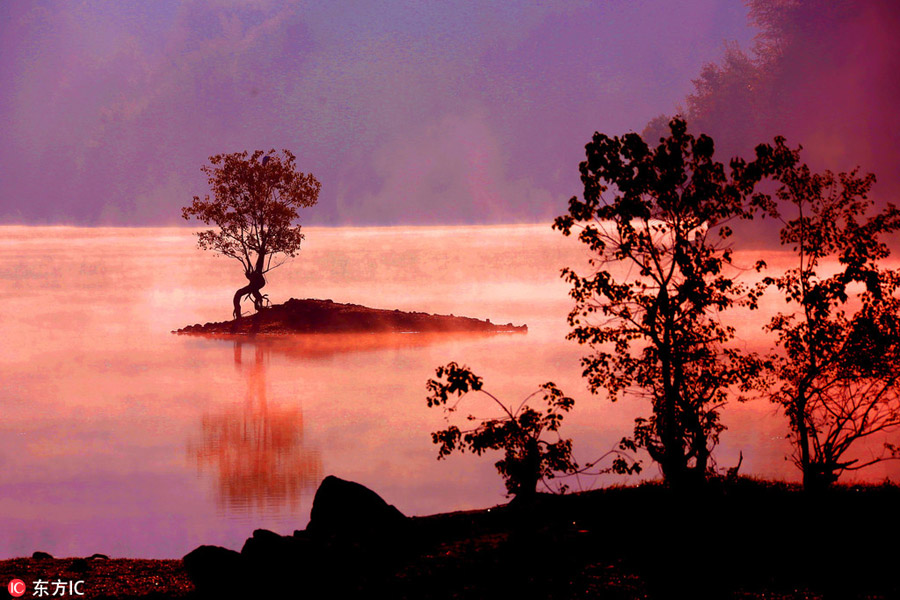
(326, 316)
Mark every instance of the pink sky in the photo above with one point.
(450, 113)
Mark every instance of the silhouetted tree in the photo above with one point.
(255, 204)
(656, 222)
(528, 458)
(838, 371)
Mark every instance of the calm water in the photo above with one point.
(118, 437)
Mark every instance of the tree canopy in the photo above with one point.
(255, 203)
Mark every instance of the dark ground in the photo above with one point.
(737, 540)
(103, 578)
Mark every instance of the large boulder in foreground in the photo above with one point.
(325, 316)
(354, 538)
(347, 508)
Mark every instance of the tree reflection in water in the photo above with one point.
(256, 450)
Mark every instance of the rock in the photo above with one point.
(346, 508)
(99, 556)
(350, 525)
(275, 563)
(267, 549)
(263, 539)
(215, 569)
(41, 555)
(354, 537)
(80, 565)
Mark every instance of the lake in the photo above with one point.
(121, 438)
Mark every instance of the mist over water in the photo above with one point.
(119, 437)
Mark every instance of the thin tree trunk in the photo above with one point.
(803, 441)
(671, 464)
(530, 472)
(256, 282)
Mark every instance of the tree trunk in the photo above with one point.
(806, 465)
(528, 472)
(674, 464)
(256, 283)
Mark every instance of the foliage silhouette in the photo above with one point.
(256, 201)
(838, 372)
(528, 458)
(657, 224)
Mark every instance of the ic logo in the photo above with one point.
(16, 588)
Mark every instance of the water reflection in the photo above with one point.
(255, 451)
(98, 398)
(306, 347)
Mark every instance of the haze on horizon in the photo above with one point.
(446, 114)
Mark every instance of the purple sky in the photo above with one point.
(408, 114)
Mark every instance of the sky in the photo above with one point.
(407, 112)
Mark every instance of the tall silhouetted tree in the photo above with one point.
(255, 204)
(656, 221)
(838, 370)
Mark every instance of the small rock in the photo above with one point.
(268, 556)
(41, 555)
(80, 565)
(267, 546)
(99, 556)
(215, 569)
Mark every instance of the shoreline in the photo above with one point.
(729, 539)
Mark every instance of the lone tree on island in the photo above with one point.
(256, 201)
